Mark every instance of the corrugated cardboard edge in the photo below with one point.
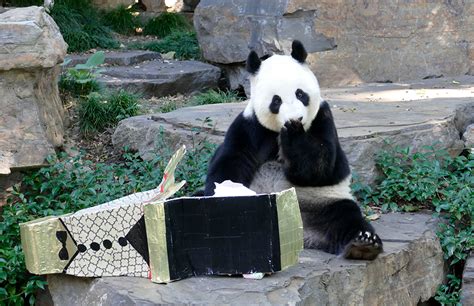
(155, 223)
(290, 226)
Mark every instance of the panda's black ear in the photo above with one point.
(298, 51)
(253, 62)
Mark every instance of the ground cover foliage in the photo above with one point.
(431, 180)
(122, 20)
(72, 183)
(166, 24)
(97, 108)
(184, 44)
(211, 96)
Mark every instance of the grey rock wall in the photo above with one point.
(228, 29)
(348, 41)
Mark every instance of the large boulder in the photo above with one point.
(32, 115)
(227, 29)
(376, 40)
(408, 272)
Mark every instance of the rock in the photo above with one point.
(115, 58)
(238, 78)
(29, 38)
(158, 6)
(468, 136)
(464, 117)
(467, 295)
(376, 42)
(227, 29)
(155, 6)
(6, 185)
(162, 78)
(408, 272)
(112, 4)
(367, 116)
(147, 134)
(32, 116)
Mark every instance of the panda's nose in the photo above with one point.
(300, 118)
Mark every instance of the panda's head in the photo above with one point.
(283, 88)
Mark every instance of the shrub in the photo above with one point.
(166, 24)
(80, 80)
(121, 20)
(430, 180)
(98, 111)
(70, 184)
(213, 96)
(81, 25)
(185, 45)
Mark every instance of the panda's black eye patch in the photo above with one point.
(302, 96)
(275, 105)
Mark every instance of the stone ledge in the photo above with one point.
(416, 114)
(408, 272)
(159, 78)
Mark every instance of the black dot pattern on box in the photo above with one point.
(107, 244)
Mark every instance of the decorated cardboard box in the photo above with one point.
(223, 235)
(148, 235)
(105, 240)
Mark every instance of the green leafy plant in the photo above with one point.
(69, 184)
(122, 20)
(81, 25)
(166, 24)
(185, 45)
(98, 111)
(168, 106)
(81, 79)
(214, 96)
(211, 96)
(434, 180)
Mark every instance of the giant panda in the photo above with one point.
(286, 137)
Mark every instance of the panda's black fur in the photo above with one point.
(311, 160)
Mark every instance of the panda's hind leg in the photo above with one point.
(366, 245)
(339, 227)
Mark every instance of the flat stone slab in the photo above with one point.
(408, 272)
(416, 115)
(117, 58)
(160, 78)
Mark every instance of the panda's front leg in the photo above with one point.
(296, 150)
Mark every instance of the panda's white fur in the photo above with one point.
(286, 137)
(270, 177)
(281, 75)
(276, 76)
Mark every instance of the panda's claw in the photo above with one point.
(365, 245)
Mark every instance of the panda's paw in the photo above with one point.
(366, 245)
(293, 128)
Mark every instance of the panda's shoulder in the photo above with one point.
(249, 128)
(324, 109)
